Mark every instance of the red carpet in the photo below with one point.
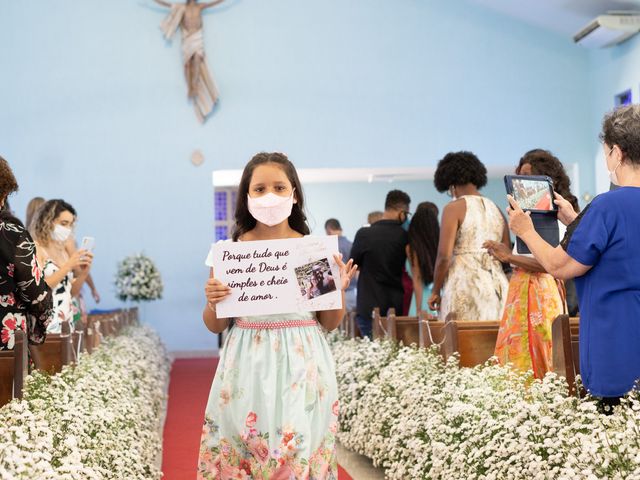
(188, 392)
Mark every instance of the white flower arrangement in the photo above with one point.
(421, 418)
(99, 420)
(138, 279)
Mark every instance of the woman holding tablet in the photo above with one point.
(600, 251)
(535, 298)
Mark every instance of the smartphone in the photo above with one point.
(531, 192)
(88, 243)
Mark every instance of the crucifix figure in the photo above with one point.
(201, 86)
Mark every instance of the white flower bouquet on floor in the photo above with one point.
(419, 417)
(138, 279)
(99, 420)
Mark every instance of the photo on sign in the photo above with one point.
(315, 279)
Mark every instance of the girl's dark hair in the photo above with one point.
(459, 168)
(424, 232)
(543, 162)
(244, 220)
(42, 224)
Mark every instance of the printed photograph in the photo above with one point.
(315, 279)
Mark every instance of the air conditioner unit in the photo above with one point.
(608, 30)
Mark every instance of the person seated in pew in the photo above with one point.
(599, 250)
(535, 298)
(64, 273)
(422, 250)
(25, 298)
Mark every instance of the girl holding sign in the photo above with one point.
(273, 408)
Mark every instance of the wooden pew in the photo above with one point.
(475, 341)
(444, 334)
(55, 352)
(566, 354)
(13, 369)
(351, 326)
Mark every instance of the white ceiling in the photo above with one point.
(562, 16)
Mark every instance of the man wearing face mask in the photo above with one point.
(380, 252)
(600, 252)
(65, 274)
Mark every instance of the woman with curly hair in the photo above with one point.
(469, 284)
(535, 298)
(64, 273)
(25, 298)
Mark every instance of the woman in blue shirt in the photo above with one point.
(601, 251)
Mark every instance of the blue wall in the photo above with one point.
(93, 110)
(324, 201)
(613, 71)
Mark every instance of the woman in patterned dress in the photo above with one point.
(469, 284)
(64, 273)
(273, 408)
(25, 298)
(535, 298)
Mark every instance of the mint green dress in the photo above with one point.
(273, 407)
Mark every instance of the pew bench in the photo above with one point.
(13, 369)
(55, 352)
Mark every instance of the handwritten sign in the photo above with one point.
(277, 276)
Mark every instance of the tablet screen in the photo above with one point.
(532, 194)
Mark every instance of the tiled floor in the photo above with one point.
(358, 466)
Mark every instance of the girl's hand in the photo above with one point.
(215, 291)
(566, 213)
(346, 271)
(498, 250)
(434, 302)
(520, 222)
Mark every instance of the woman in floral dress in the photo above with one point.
(25, 298)
(468, 283)
(535, 298)
(273, 408)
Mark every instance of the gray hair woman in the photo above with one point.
(600, 252)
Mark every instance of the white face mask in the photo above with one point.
(270, 209)
(613, 176)
(60, 233)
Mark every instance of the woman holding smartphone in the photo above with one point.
(64, 273)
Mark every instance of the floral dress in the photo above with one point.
(25, 298)
(476, 286)
(62, 299)
(273, 408)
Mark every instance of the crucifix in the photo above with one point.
(201, 86)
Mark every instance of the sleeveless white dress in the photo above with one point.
(476, 286)
(62, 299)
(273, 408)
